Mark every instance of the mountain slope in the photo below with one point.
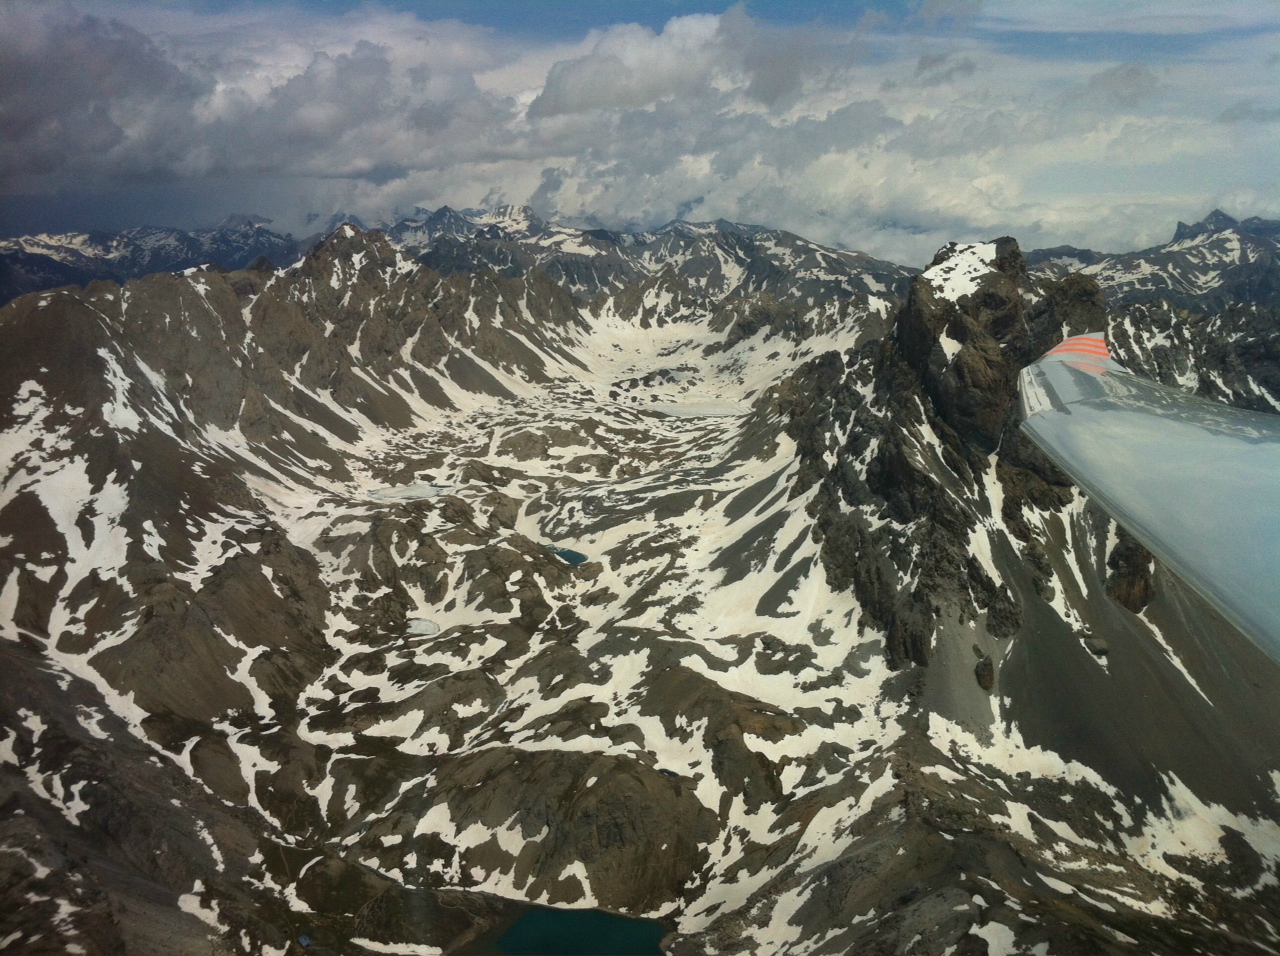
(846, 664)
(35, 263)
(1106, 770)
(1209, 265)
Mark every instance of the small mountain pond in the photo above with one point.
(565, 554)
(547, 930)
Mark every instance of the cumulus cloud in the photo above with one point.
(631, 66)
(1124, 85)
(891, 137)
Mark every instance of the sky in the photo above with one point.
(888, 127)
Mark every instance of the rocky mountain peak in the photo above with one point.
(445, 214)
(345, 254)
(933, 429)
(507, 217)
(963, 331)
(1257, 226)
(243, 221)
(1205, 267)
(347, 230)
(1216, 221)
(1001, 254)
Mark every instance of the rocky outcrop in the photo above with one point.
(924, 410)
(1130, 566)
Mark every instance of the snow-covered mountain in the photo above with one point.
(845, 665)
(46, 261)
(709, 261)
(1211, 264)
(508, 239)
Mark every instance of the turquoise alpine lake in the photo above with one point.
(543, 931)
(564, 554)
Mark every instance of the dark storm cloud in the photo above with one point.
(298, 124)
(76, 91)
(85, 99)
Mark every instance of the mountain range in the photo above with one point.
(371, 587)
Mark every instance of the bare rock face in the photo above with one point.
(973, 388)
(1131, 567)
(607, 820)
(377, 597)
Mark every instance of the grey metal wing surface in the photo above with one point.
(1195, 481)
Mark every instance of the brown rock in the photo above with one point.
(985, 671)
(1130, 565)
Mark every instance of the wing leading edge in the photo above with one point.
(1195, 481)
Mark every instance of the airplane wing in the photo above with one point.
(1195, 481)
